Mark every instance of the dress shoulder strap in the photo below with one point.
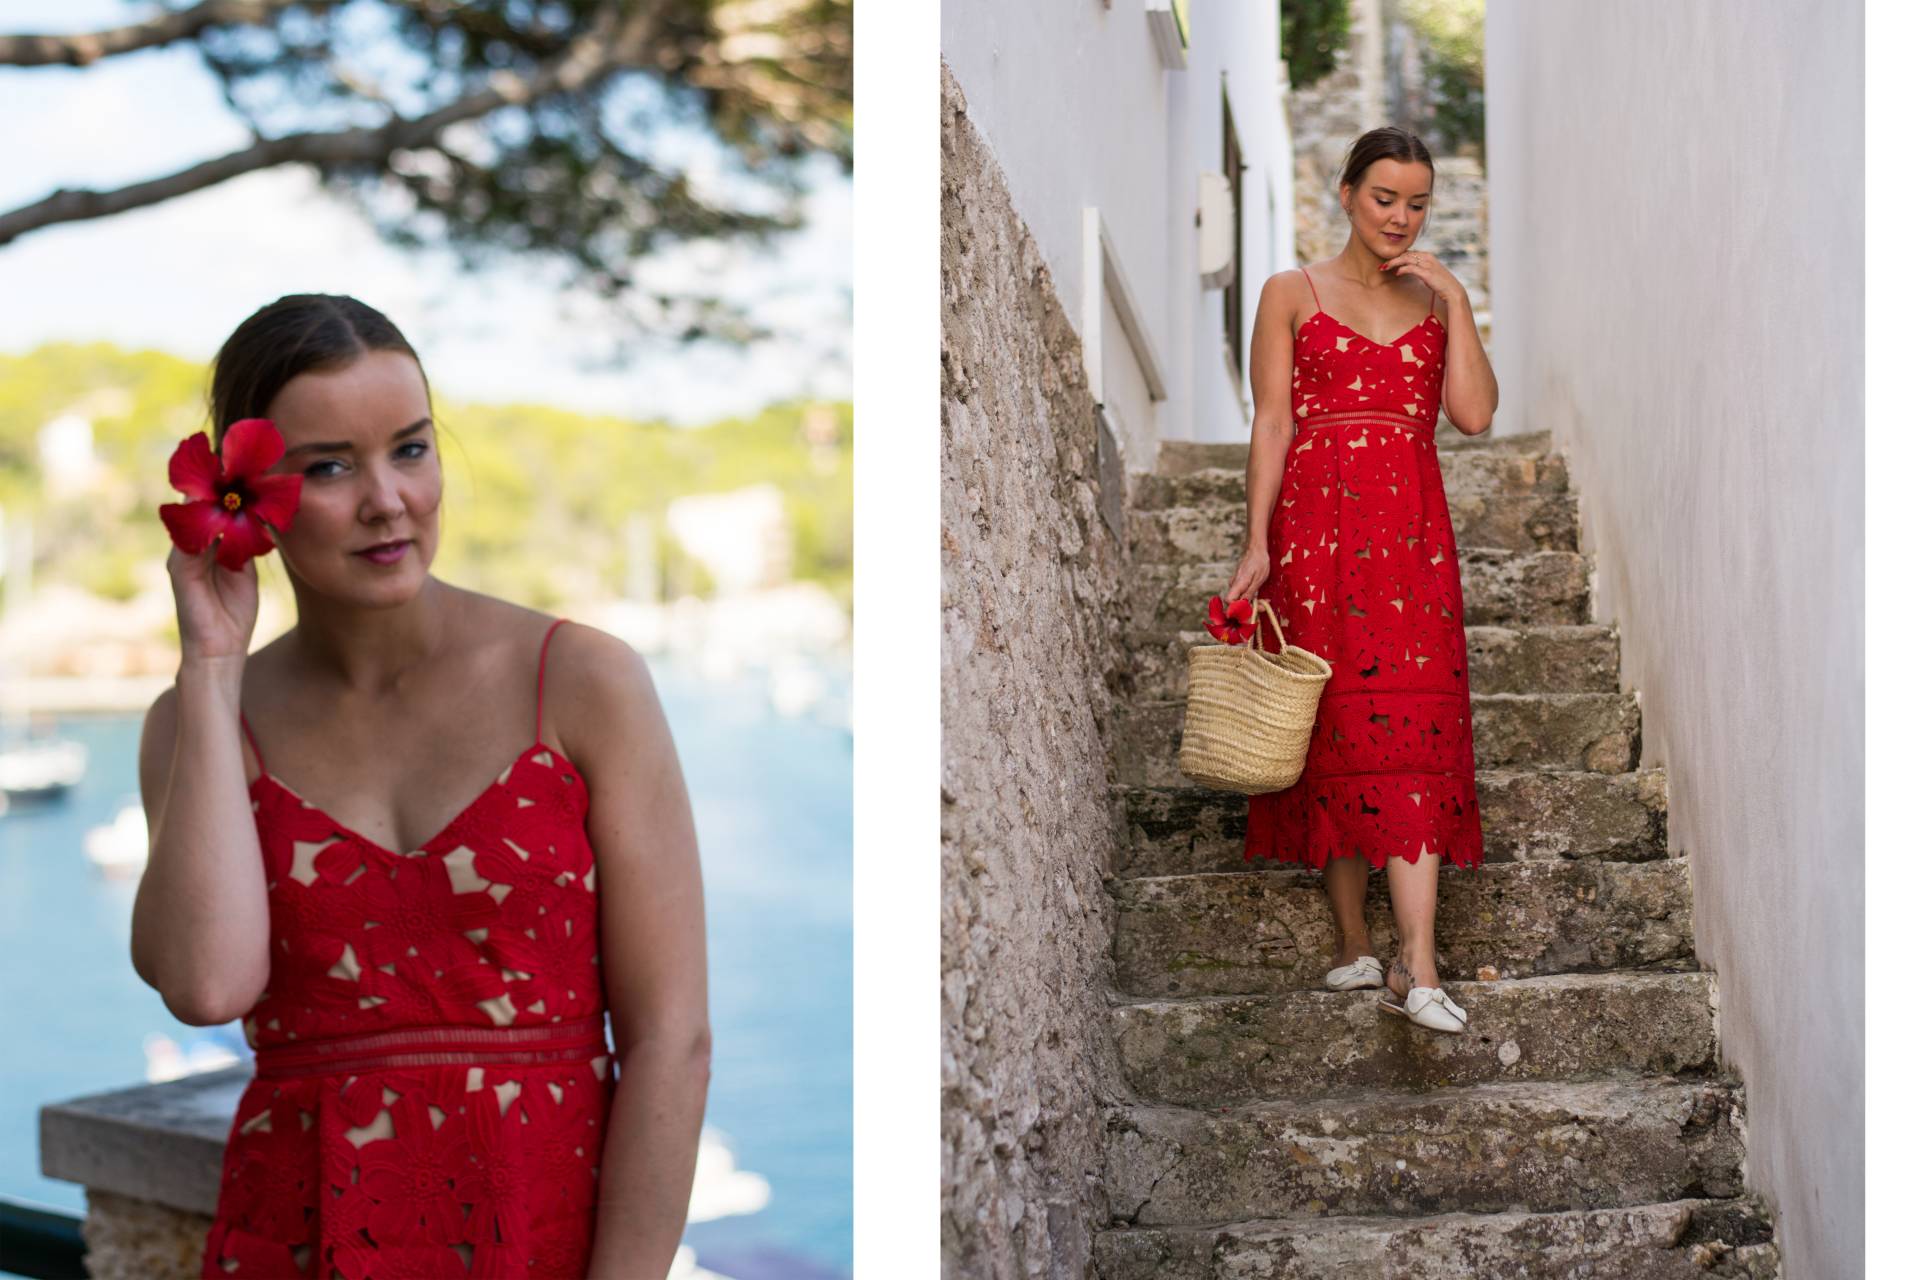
(1316, 292)
(1431, 295)
(253, 742)
(540, 682)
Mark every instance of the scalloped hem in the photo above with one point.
(1376, 858)
(1375, 816)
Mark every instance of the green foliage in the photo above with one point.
(536, 504)
(579, 175)
(1453, 53)
(1311, 33)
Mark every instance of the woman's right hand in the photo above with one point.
(1250, 576)
(216, 607)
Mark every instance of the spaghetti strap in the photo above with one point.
(247, 729)
(1431, 295)
(540, 683)
(1316, 292)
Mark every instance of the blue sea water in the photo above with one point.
(773, 805)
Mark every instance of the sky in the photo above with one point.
(180, 275)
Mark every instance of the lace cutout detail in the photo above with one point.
(432, 1080)
(1365, 574)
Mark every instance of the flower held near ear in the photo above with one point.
(230, 498)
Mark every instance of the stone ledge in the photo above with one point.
(160, 1143)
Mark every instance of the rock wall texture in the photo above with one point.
(1030, 585)
(130, 1239)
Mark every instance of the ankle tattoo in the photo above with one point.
(1400, 969)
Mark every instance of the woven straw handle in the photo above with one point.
(1253, 637)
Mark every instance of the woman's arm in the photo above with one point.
(1271, 375)
(200, 922)
(200, 914)
(653, 948)
(1468, 391)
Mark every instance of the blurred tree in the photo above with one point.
(537, 498)
(1312, 32)
(496, 127)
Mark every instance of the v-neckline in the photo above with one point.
(1384, 346)
(499, 779)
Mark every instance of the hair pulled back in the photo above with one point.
(296, 334)
(1388, 142)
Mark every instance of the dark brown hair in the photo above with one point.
(291, 336)
(1389, 142)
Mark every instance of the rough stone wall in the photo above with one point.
(1029, 641)
(1456, 230)
(130, 1239)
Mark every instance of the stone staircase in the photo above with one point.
(1275, 1129)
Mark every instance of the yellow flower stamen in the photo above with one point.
(231, 502)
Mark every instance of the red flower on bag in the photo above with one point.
(231, 499)
(1232, 623)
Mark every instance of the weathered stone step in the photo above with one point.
(1462, 472)
(1556, 658)
(1499, 588)
(1693, 1239)
(1221, 1049)
(1597, 731)
(1525, 815)
(1448, 440)
(1262, 932)
(1218, 531)
(1484, 1148)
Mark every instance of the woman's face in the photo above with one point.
(1389, 205)
(362, 437)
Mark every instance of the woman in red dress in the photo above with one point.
(1351, 541)
(425, 985)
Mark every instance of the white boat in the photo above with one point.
(118, 849)
(721, 1188)
(36, 770)
(168, 1059)
(794, 686)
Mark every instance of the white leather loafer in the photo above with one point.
(1428, 1006)
(1364, 972)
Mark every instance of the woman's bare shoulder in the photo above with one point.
(600, 693)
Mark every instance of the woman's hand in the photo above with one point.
(1414, 262)
(1250, 576)
(216, 607)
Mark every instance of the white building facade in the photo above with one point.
(1146, 148)
(1678, 249)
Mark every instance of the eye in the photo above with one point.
(314, 469)
(421, 445)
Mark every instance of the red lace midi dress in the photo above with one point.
(1363, 572)
(431, 1074)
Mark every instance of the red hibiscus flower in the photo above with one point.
(1231, 623)
(231, 499)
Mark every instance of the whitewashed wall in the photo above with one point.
(1677, 246)
(1079, 111)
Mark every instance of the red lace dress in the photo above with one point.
(1364, 573)
(431, 1077)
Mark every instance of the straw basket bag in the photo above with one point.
(1249, 712)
